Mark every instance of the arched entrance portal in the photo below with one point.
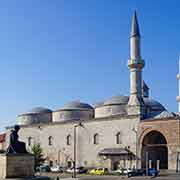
(154, 148)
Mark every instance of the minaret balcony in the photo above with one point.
(136, 63)
(178, 98)
(178, 76)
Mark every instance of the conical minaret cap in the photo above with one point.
(145, 86)
(135, 26)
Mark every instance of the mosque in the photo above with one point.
(123, 131)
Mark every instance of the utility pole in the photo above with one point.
(147, 160)
(136, 153)
(74, 162)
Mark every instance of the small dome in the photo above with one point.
(74, 110)
(38, 110)
(77, 105)
(117, 100)
(35, 115)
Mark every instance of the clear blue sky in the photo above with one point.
(52, 52)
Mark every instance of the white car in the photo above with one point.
(56, 169)
(119, 171)
(126, 171)
(77, 170)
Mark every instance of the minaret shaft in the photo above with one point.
(135, 65)
(178, 97)
(136, 82)
(135, 47)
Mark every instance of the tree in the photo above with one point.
(38, 153)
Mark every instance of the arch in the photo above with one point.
(118, 138)
(154, 148)
(96, 138)
(68, 140)
(50, 140)
(149, 129)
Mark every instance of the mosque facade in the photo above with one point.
(123, 131)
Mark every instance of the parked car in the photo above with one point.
(78, 170)
(136, 172)
(126, 171)
(142, 172)
(153, 172)
(116, 172)
(43, 168)
(56, 168)
(99, 171)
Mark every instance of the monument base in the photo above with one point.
(28, 178)
(16, 166)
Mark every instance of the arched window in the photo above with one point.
(118, 138)
(96, 139)
(29, 141)
(68, 140)
(50, 139)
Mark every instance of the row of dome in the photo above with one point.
(81, 111)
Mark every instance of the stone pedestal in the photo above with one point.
(16, 165)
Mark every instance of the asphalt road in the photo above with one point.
(90, 177)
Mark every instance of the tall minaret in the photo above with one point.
(178, 97)
(135, 65)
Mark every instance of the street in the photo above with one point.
(111, 177)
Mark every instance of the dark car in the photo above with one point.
(79, 170)
(136, 172)
(153, 172)
(43, 168)
(82, 170)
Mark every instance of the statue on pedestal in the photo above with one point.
(16, 146)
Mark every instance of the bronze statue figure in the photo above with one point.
(15, 146)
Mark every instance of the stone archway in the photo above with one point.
(154, 146)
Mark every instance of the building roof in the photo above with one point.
(2, 138)
(114, 151)
(164, 114)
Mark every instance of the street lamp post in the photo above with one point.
(136, 153)
(74, 163)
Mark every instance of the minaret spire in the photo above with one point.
(135, 26)
(178, 77)
(145, 90)
(135, 65)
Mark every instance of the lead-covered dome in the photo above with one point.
(77, 105)
(35, 115)
(38, 110)
(153, 108)
(153, 104)
(117, 100)
(113, 106)
(74, 110)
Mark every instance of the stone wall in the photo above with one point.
(87, 152)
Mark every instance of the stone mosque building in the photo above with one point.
(123, 131)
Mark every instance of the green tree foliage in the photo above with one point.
(38, 153)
